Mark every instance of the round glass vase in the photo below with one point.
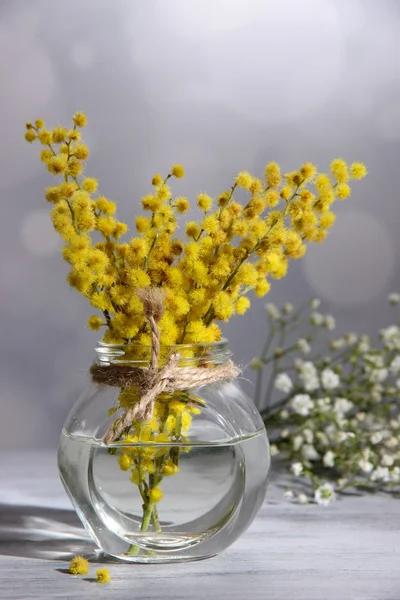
(181, 487)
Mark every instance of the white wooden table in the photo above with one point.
(347, 551)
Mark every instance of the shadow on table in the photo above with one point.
(38, 532)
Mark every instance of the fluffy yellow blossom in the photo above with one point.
(327, 220)
(210, 224)
(223, 306)
(79, 566)
(244, 180)
(204, 202)
(39, 123)
(273, 174)
(308, 170)
(224, 198)
(182, 205)
(124, 460)
(30, 135)
(322, 182)
(57, 164)
(170, 469)
(45, 137)
(163, 192)
(272, 198)
(358, 170)
(81, 151)
(192, 230)
(95, 322)
(178, 171)
(343, 191)
(90, 184)
(157, 179)
(242, 304)
(75, 167)
(58, 134)
(155, 495)
(80, 119)
(340, 170)
(103, 575)
(262, 288)
(142, 224)
(45, 155)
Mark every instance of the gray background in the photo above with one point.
(219, 85)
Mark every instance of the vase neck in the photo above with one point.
(139, 355)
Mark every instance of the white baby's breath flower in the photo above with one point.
(283, 383)
(376, 437)
(303, 499)
(309, 376)
(378, 375)
(376, 393)
(308, 435)
(395, 365)
(316, 319)
(365, 465)
(342, 406)
(366, 453)
(351, 338)
(297, 469)
(387, 460)
(329, 322)
(342, 436)
(394, 298)
(285, 433)
(308, 452)
(284, 414)
(325, 494)
(391, 337)
(360, 416)
(395, 475)
(329, 459)
(331, 431)
(375, 360)
(330, 380)
(338, 344)
(364, 344)
(323, 404)
(302, 404)
(391, 442)
(380, 474)
(315, 303)
(274, 449)
(303, 346)
(273, 311)
(288, 494)
(288, 308)
(322, 438)
(297, 442)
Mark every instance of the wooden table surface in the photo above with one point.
(347, 551)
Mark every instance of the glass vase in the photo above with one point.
(181, 487)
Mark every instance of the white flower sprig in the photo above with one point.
(336, 421)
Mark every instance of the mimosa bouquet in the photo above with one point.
(164, 287)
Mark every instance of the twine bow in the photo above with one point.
(153, 381)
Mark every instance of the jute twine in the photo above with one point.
(152, 380)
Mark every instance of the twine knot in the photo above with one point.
(153, 381)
